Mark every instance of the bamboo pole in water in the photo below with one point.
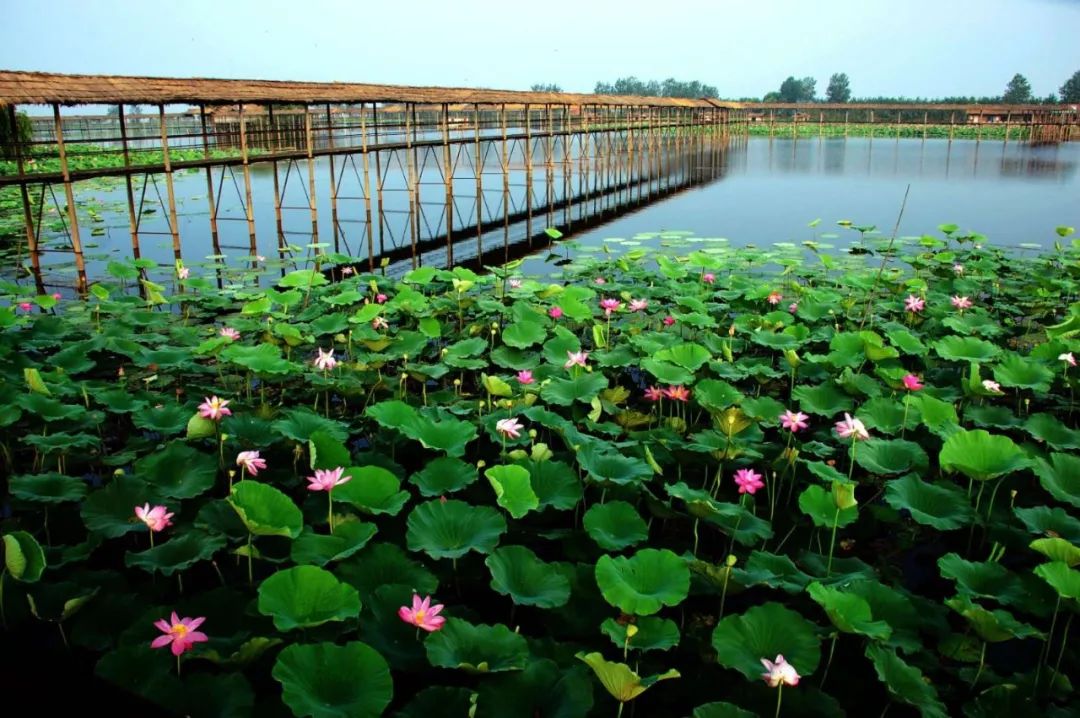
(28, 212)
(335, 225)
(448, 181)
(1008, 124)
(367, 186)
(214, 238)
(410, 162)
(528, 172)
(309, 141)
(279, 222)
(567, 167)
(133, 220)
(174, 228)
(69, 195)
(478, 170)
(378, 178)
(506, 186)
(246, 164)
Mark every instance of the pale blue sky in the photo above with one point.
(911, 47)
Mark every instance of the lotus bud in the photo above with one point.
(494, 326)
(118, 472)
(731, 560)
(232, 473)
(444, 351)
(844, 495)
(457, 382)
(532, 433)
(631, 631)
(731, 330)
(481, 464)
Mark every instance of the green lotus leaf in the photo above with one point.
(688, 355)
(518, 573)
(896, 456)
(613, 467)
(582, 388)
(439, 700)
(1058, 549)
(392, 414)
(556, 484)
(991, 626)
(644, 583)
(984, 579)
(200, 428)
(653, 633)
(620, 681)
(849, 612)
(543, 688)
(778, 341)
(937, 415)
(110, 511)
(178, 471)
(720, 709)
(716, 395)
(449, 434)
(906, 682)
(1016, 371)
(772, 570)
(615, 525)
(330, 323)
(168, 419)
(1050, 522)
(907, 615)
(306, 596)
(823, 399)
(741, 641)
(264, 510)
(120, 401)
(304, 279)
(23, 557)
(381, 564)
(1061, 477)
(444, 475)
(177, 554)
(453, 528)
(1064, 580)
(997, 417)
(301, 424)
(324, 680)
(819, 505)
(966, 349)
(476, 648)
(942, 505)
(48, 408)
(522, 335)
(825, 472)
(763, 408)
(320, 549)
(733, 519)
(980, 455)
(261, 358)
(326, 452)
(886, 416)
(906, 342)
(372, 489)
(49, 488)
(1051, 430)
(666, 372)
(513, 489)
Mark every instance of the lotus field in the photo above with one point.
(723, 483)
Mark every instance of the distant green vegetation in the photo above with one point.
(812, 128)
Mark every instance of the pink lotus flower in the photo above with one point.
(600, 280)
(610, 305)
(25, 306)
(992, 386)
(961, 303)
(423, 614)
(638, 305)
(749, 481)
(677, 393)
(779, 673)
(793, 307)
(180, 633)
(774, 298)
(852, 428)
(327, 479)
(575, 358)
(380, 323)
(912, 383)
(347, 271)
(914, 304)
(214, 408)
(669, 320)
(958, 269)
(381, 298)
(1068, 358)
(654, 393)
(157, 518)
(251, 462)
(183, 272)
(509, 428)
(555, 312)
(229, 333)
(708, 277)
(515, 284)
(260, 258)
(525, 377)
(325, 361)
(794, 420)
(57, 296)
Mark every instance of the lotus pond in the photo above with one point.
(737, 482)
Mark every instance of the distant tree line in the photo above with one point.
(654, 88)
(12, 135)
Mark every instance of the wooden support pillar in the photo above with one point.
(133, 219)
(69, 195)
(410, 162)
(549, 165)
(335, 225)
(567, 166)
(478, 170)
(925, 117)
(246, 164)
(978, 127)
(1008, 124)
(279, 222)
(369, 230)
(214, 238)
(952, 123)
(846, 113)
(528, 172)
(378, 178)
(28, 212)
(174, 228)
(899, 114)
(309, 141)
(505, 185)
(772, 120)
(448, 181)
(821, 123)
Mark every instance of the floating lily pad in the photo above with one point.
(47, 488)
(477, 648)
(741, 641)
(179, 471)
(453, 528)
(306, 596)
(324, 680)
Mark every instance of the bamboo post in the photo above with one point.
(28, 212)
(214, 239)
(478, 170)
(952, 123)
(309, 141)
(367, 186)
(246, 164)
(378, 178)
(333, 180)
(978, 127)
(899, 114)
(506, 185)
(448, 181)
(1008, 124)
(528, 172)
(174, 228)
(846, 113)
(567, 166)
(772, 119)
(410, 163)
(69, 195)
(549, 165)
(133, 220)
(925, 116)
(279, 222)
(821, 123)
